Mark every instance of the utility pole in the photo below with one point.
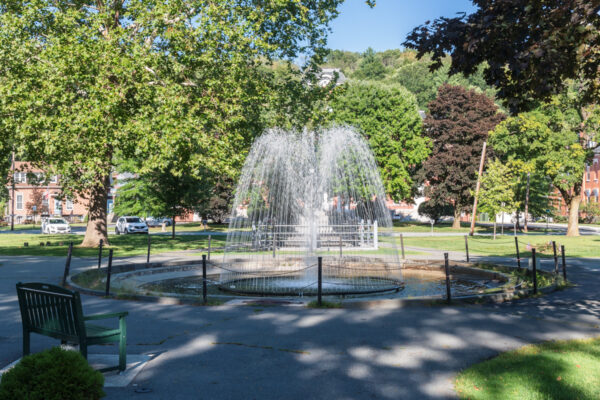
(474, 216)
(12, 195)
(526, 205)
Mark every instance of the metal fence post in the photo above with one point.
(100, 253)
(534, 267)
(204, 278)
(564, 264)
(209, 243)
(555, 260)
(518, 255)
(402, 245)
(319, 280)
(148, 256)
(67, 264)
(108, 272)
(467, 247)
(446, 269)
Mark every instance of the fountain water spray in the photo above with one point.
(305, 195)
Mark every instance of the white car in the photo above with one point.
(55, 225)
(130, 225)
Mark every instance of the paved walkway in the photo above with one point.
(260, 352)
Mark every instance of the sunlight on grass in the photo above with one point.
(582, 246)
(552, 370)
(123, 246)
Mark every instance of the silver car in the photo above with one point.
(130, 225)
(55, 225)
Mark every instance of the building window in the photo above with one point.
(20, 177)
(69, 205)
(54, 179)
(57, 207)
(19, 205)
(587, 173)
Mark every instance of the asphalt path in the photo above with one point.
(290, 352)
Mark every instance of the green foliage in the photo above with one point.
(498, 188)
(548, 140)
(402, 67)
(387, 115)
(53, 374)
(370, 68)
(145, 80)
(435, 211)
(590, 213)
(531, 47)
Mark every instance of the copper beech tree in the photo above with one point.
(458, 122)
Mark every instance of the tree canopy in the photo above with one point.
(85, 83)
(548, 138)
(388, 117)
(531, 47)
(458, 123)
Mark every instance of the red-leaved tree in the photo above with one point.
(458, 123)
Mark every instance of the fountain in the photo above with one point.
(307, 195)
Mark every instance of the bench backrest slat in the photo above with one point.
(50, 309)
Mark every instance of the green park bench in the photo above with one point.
(54, 311)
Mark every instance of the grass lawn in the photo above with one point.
(123, 245)
(582, 246)
(193, 227)
(552, 370)
(402, 226)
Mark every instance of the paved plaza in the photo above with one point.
(291, 352)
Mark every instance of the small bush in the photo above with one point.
(54, 374)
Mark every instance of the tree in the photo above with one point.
(388, 117)
(435, 211)
(87, 83)
(370, 68)
(218, 207)
(36, 205)
(498, 187)
(531, 47)
(416, 77)
(458, 123)
(162, 193)
(549, 139)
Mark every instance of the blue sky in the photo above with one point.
(386, 26)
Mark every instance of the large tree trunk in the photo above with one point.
(573, 226)
(97, 226)
(456, 223)
(173, 228)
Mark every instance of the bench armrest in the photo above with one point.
(122, 314)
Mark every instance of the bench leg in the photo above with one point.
(26, 335)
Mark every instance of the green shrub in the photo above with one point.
(54, 374)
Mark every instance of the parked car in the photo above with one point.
(55, 225)
(130, 225)
(151, 221)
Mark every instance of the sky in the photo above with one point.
(386, 26)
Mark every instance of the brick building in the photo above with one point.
(28, 182)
